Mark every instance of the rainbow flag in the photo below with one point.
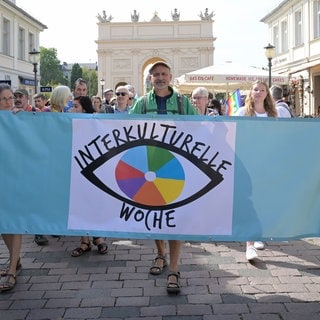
(234, 102)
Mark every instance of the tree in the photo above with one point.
(76, 73)
(94, 82)
(91, 76)
(50, 70)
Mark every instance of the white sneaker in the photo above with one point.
(251, 253)
(259, 245)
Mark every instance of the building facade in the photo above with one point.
(19, 35)
(127, 49)
(294, 30)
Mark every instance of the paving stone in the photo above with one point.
(45, 314)
(217, 283)
(63, 302)
(132, 301)
(83, 313)
(121, 312)
(230, 308)
(194, 309)
(13, 314)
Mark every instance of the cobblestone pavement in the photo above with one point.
(217, 282)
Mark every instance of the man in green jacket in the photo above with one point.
(162, 99)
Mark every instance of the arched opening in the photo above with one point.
(146, 84)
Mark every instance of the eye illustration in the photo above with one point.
(151, 175)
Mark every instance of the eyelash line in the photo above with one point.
(214, 176)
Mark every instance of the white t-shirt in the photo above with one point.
(242, 110)
(282, 112)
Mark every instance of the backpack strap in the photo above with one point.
(283, 104)
(179, 103)
(144, 105)
(291, 113)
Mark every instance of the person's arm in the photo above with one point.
(188, 107)
(16, 109)
(137, 106)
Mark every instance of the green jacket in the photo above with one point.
(172, 104)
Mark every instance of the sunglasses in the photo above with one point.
(121, 94)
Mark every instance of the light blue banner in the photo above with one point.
(276, 177)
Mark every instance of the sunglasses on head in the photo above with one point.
(121, 93)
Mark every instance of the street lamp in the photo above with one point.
(34, 57)
(270, 53)
(102, 83)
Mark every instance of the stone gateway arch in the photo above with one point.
(127, 49)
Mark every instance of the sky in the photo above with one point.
(72, 25)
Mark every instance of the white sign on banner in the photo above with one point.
(152, 176)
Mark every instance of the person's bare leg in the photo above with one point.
(8, 278)
(85, 239)
(173, 285)
(161, 247)
(13, 243)
(175, 248)
(159, 263)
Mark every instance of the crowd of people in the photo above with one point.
(162, 99)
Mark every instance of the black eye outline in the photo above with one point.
(215, 177)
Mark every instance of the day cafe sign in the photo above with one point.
(232, 79)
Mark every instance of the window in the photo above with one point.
(316, 19)
(276, 38)
(284, 36)
(21, 44)
(31, 42)
(6, 36)
(298, 28)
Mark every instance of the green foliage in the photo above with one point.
(94, 83)
(91, 76)
(50, 70)
(76, 73)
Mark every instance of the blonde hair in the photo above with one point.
(268, 103)
(59, 97)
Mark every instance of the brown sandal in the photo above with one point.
(84, 247)
(6, 282)
(158, 265)
(102, 246)
(5, 271)
(173, 286)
